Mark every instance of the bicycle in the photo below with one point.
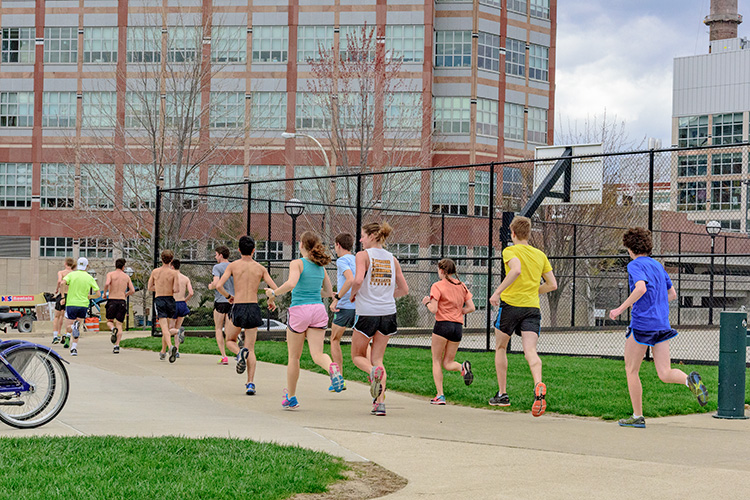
(34, 384)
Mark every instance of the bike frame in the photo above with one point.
(13, 345)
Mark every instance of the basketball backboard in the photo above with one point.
(587, 174)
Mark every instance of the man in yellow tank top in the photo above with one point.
(518, 300)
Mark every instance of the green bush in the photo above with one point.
(200, 316)
(407, 311)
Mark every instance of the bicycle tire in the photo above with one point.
(49, 378)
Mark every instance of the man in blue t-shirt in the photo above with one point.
(650, 293)
(342, 306)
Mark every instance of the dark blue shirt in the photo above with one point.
(651, 311)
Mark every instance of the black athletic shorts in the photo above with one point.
(165, 306)
(511, 319)
(449, 330)
(369, 325)
(344, 317)
(222, 307)
(116, 309)
(58, 302)
(246, 315)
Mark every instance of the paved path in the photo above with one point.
(444, 452)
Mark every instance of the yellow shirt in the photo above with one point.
(524, 291)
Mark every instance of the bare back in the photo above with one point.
(163, 281)
(118, 283)
(183, 282)
(247, 276)
(62, 287)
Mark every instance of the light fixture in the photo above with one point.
(294, 207)
(713, 227)
(288, 135)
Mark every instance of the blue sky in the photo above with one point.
(617, 55)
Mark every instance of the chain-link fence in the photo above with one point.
(462, 212)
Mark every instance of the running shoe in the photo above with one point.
(177, 355)
(55, 339)
(66, 341)
(242, 360)
(698, 388)
(500, 399)
(250, 389)
(116, 349)
(438, 400)
(330, 388)
(337, 380)
(181, 334)
(172, 354)
(74, 351)
(632, 421)
(289, 403)
(467, 373)
(75, 330)
(224, 361)
(113, 337)
(540, 403)
(374, 407)
(376, 378)
(162, 356)
(380, 410)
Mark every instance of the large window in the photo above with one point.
(311, 190)
(61, 45)
(690, 166)
(513, 126)
(98, 186)
(18, 45)
(229, 44)
(311, 40)
(406, 253)
(16, 109)
(357, 110)
(515, 57)
(58, 185)
(96, 248)
(220, 174)
(405, 42)
(478, 290)
(270, 44)
(312, 112)
(455, 252)
(268, 111)
(691, 196)
(138, 187)
(144, 44)
(55, 247)
(59, 109)
(518, 6)
(512, 185)
(727, 128)
(539, 8)
(100, 45)
(452, 115)
(482, 193)
(227, 110)
(183, 43)
(539, 62)
(538, 125)
(142, 110)
(726, 163)
(15, 185)
(450, 191)
(692, 131)
(453, 49)
(487, 110)
(726, 195)
(401, 191)
(488, 56)
(99, 109)
(480, 255)
(182, 111)
(269, 250)
(180, 176)
(731, 225)
(354, 41)
(403, 110)
(267, 190)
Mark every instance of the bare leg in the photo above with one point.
(662, 361)
(338, 357)
(166, 339)
(438, 351)
(232, 332)
(118, 325)
(361, 351)
(176, 331)
(529, 341)
(294, 344)
(634, 353)
(58, 320)
(377, 353)
(219, 324)
(501, 360)
(250, 336)
(315, 340)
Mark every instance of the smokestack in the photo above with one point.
(723, 20)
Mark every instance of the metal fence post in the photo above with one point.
(157, 230)
(724, 302)
(268, 264)
(490, 246)
(575, 269)
(679, 276)
(249, 205)
(359, 212)
(651, 190)
(442, 235)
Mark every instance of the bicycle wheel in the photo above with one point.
(48, 394)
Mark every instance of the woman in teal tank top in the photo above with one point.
(307, 316)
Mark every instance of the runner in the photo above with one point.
(117, 288)
(308, 282)
(163, 281)
(221, 305)
(80, 285)
(449, 301)
(377, 284)
(60, 293)
(245, 312)
(341, 305)
(519, 313)
(181, 308)
(650, 293)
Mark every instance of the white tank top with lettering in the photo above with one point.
(375, 297)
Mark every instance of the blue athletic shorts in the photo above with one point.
(181, 309)
(651, 338)
(344, 317)
(74, 312)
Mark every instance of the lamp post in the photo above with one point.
(294, 208)
(129, 271)
(713, 228)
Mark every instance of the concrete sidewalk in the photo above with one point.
(443, 451)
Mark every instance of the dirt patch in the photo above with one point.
(364, 480)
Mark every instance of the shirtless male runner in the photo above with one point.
(164, 282)
(120, 287)
(245, 313)
(181, 298)
(60, 293)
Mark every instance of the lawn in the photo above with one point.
(575, 386)
(164, 467)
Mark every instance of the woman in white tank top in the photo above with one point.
(377, 285)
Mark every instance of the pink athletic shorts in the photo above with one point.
(307, 316)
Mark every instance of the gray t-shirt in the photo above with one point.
(218, 270)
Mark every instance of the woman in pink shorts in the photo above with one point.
(307, 317)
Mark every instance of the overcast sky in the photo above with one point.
(618, 55)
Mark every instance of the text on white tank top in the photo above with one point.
(375, 297)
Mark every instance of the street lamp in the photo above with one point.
(713, 228)
(129, 271)
(293, 135)
(294, 208)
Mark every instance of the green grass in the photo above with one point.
(589, 387)
(165, 467)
